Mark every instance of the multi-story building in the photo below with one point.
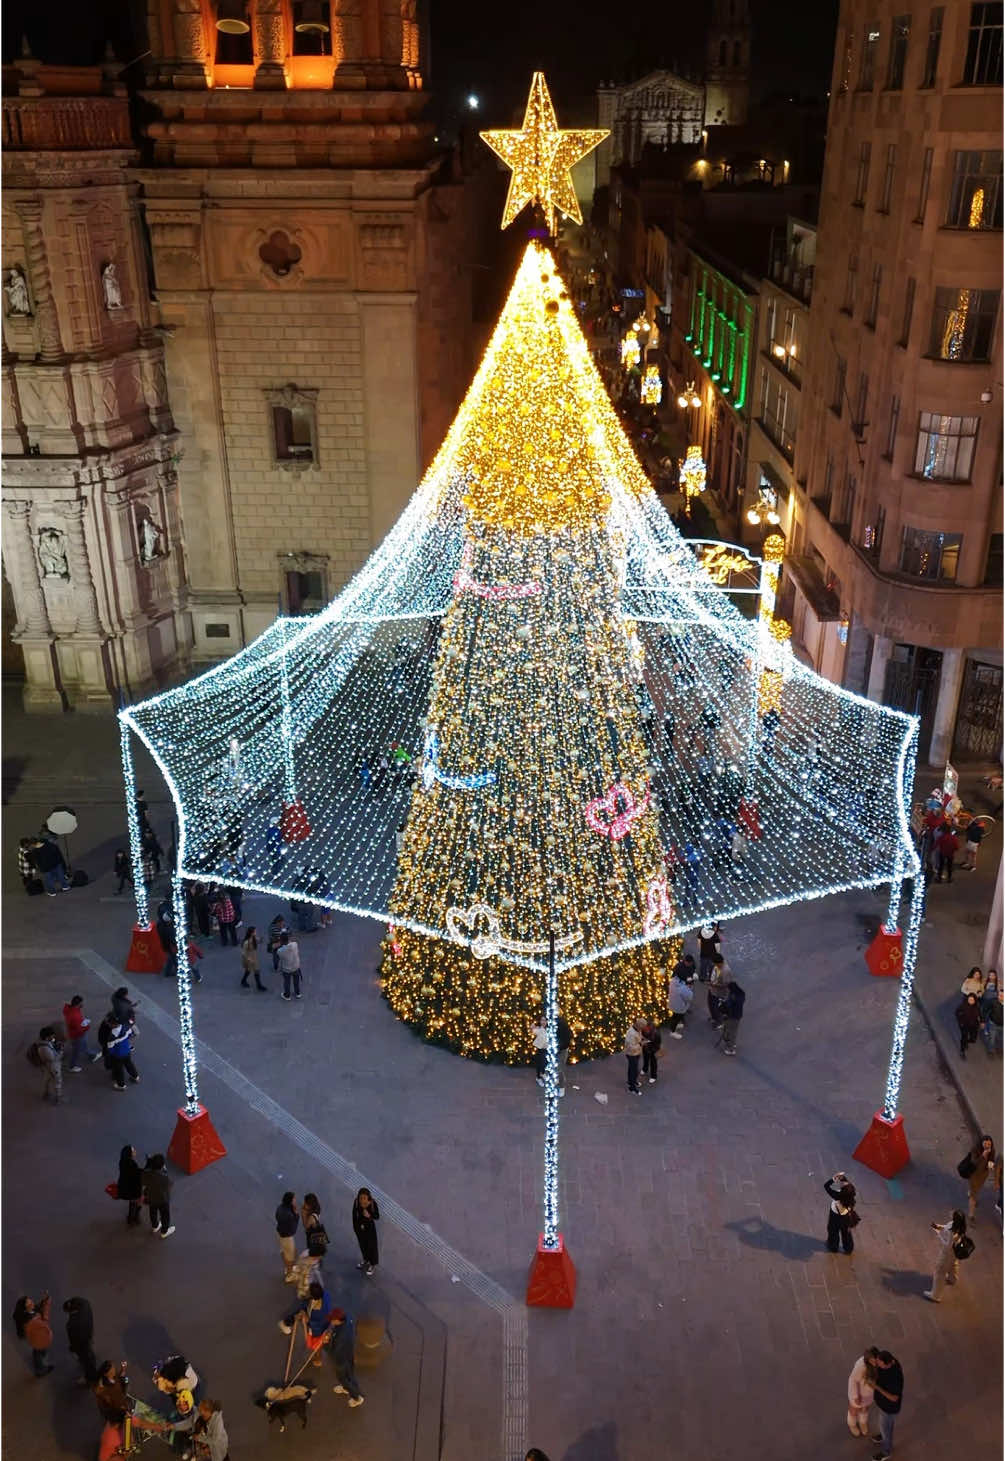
(899, 450)
(286, 248)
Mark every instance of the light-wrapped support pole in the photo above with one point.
(552, 1280)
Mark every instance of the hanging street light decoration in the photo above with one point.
(692, 476)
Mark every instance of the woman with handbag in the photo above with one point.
(841, 1217)
(974, 1170)
(130, 1184)
(31, 1320)
(250, 961)
(947, 1264)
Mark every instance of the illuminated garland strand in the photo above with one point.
(133, 823)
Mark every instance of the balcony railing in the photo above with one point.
(797, 279)
(57, 124)
(784, 440)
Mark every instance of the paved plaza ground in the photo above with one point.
(709, 1322)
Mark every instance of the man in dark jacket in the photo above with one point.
(80, 1337)
(343, 1348)
(287, 1222)
(732, 1014)
(51, 867)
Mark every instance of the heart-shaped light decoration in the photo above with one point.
(462, 923)
(615, 813)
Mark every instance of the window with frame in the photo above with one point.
(867, 66)
(844, 79)
(983, 64)
(924, 554)
(293, 421)
(844, 504)
(963, 322)
(926, 182)
(851, 274)
(889, 174)
(837, 395)
(897, 61)
(945, 448)
(859, 422)
(778, 414)
(975, 198)
(892, 427)
(993, 566)
(874, 292)
(931, 66)
(312, 28)
(304, 583)
(905, 328)
(862, 174)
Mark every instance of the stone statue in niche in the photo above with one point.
(110, 287)
(151, 540)
(52, 554)
(16, 290)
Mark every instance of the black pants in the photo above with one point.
(88, 1362)
(967, 1037)
(231, 929)
(135, 1209)
(121, 1068)
(676, 1021)
(292, 979)
(367, 1241)
(160, 1216)
(945, 865)
(540, 1062)
(839, 1231)
(125, 878)
(633, 1071)
(650, 1060)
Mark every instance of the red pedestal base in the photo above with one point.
(884, 1146)
(551, 1283)
(293, 823)
(885, 955)
(146, 953)
(195, 1143)
(749, 820)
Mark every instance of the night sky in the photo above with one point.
(491, 49)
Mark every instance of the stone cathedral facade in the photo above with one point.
(227, 423)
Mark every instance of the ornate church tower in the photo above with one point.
(727, 66)
(307, 256)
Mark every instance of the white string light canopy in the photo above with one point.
(532, 714)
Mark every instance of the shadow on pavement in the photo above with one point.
(598, 1444)
(756, 1233)
(905, 1281)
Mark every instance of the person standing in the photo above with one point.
(289, 965)
(122, 869)
(889, 1394)
(365, 1215)
(287, 1222)
(564, 1032)
(633, 1054)
(968, 1017)
(111, 1391)
(80, 1337)
(210, 1434)
(975, 836)
(157, 1186)
(685, 969)
(539, 1035)
(861, 1384)
(947, 1264)
(50, 1057)
(841, 1215)
(120, 1055)
(226, 916)
(130, 1184)
(991, 1014)
(77, 1026)
(250, 960)
(343, 1347)
(26, 866)
(709, 945)
(732, 1014)
(200, 909)
(946, 849)
(124, 1008)
(652, 1040)
(680, 998)
(974, 1168)
(973, 984)
(31, 1320)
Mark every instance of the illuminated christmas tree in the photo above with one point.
(534, 807)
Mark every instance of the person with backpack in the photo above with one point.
(119, 1051)
(954, 1245)
(732, 1013)
(974, 1170)
(47, 1054)
(841, 1215)
(77, 1026)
